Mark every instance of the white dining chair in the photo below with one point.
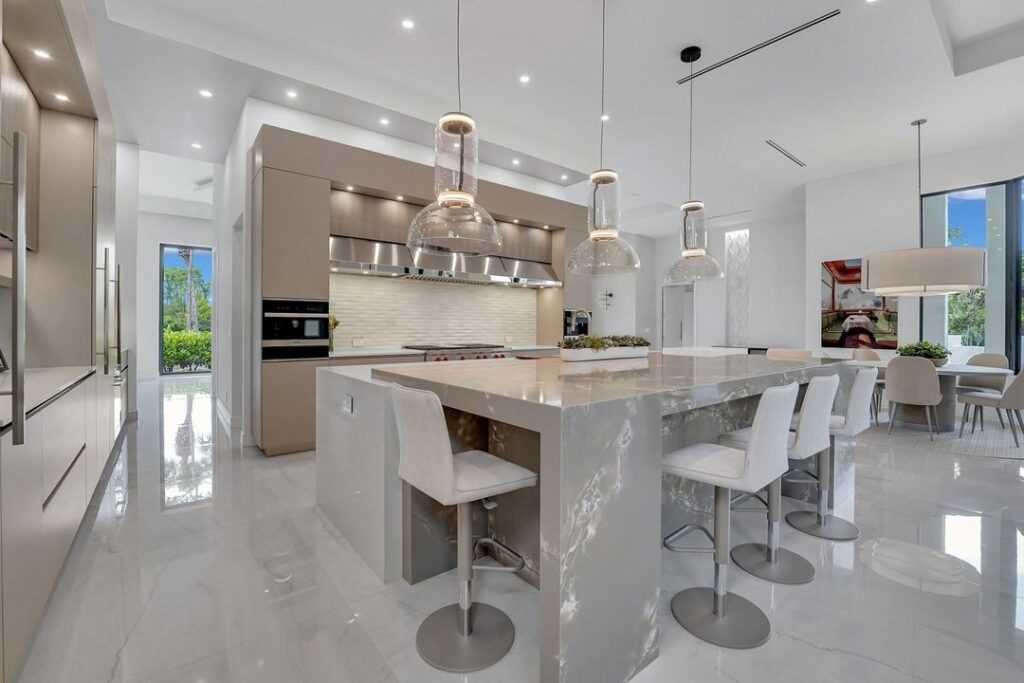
(913, 381)
(984, 383)
(1011, 400)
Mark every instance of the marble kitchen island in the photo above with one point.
(600, 429)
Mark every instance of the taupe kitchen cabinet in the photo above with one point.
(371, 218)
(38, 521)
(376, 360)
(19, 111)
(527, 244)
(288, 411)
(293, 217)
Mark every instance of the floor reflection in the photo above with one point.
(186, 442)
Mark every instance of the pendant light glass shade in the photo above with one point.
(694, 263)
(455, 223)
(603, 252)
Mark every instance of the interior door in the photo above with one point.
(677, 316)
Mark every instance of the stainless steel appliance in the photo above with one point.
(576, 323)
(294, 329)
(441, 352)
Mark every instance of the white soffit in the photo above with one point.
(980, 33)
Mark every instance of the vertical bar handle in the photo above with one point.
(117, 312)
(106, 310)
(18, 273)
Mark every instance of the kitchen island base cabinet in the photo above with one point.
(288, 411)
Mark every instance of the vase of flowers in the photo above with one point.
(936, 353)
(332, 322)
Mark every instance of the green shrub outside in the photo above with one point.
(186, 350)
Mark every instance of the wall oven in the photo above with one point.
(294, 329)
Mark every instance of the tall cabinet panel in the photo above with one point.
(296, 230)
(19, 111)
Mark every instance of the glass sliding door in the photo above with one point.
(976, 321)
(186, 309)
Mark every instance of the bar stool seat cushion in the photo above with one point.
(479, 474)
(712, 464)
(981, 398)
(834, 422)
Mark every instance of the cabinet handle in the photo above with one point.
(18, 185)
(106, 309)
(117, 312)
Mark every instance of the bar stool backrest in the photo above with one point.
(858, 403)
(989, 360)
(767, 452)
(812, 431)
(425, 459)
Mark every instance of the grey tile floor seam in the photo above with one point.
(205, 562)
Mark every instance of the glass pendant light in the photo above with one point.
(455, 223)
(693, 263)
(603, 252)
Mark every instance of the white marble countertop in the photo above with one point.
(361, 351)
(704, 351)
(41, 384)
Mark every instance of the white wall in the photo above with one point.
(631, 308)
(852, 215)
(156, 229)
(126, 214)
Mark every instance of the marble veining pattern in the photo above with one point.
(215, 592)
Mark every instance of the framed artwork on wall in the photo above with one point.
(850, 317)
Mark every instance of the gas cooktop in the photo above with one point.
(450, 347)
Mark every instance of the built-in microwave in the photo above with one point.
(294, 329)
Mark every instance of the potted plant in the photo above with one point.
(586, 348)
(936, 353)
(332, 323)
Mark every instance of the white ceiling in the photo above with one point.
(839, 96)
(172, 177)
(977, 18)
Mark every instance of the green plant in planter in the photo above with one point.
(585, 342)
(628, 341)
(924, 349)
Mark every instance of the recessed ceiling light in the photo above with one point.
(196, 145)
(349, 188)
(515, 220)
(408, 24)
(205, 93)
(547, 227)
(565, 176)
(605, 117)
(515, 162)
(384, 121)
(525, 78)
(399, 197)
(292, 94)
(62, 97)
(42, 54)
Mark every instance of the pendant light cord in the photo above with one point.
(458, 48)
(689, 173)
(604, 23)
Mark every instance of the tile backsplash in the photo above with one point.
(392, 311)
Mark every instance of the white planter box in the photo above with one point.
(614, 353)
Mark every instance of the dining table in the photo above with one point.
(950, 375)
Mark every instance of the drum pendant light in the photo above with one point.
(928, 271)
(455, 223)
(693, 263)
(604, 252)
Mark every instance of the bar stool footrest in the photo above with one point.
(684, 531)
(494, 543)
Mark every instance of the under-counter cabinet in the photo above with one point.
(289, 405)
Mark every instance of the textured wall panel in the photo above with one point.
(392, 311)
(737, 286)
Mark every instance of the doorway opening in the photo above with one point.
(186, 309)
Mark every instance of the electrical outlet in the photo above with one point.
(358, 343)
(509, 340)
(348, 404)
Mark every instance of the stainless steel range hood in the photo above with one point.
(367, 257)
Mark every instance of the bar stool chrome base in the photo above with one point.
(442, 646)
(788, 567)
(829, 527)
(743, 625)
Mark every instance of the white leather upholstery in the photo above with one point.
(426, 461)
(812, 424)
(858, 404)
(764, 460)
(834, 422)
(995, 383)
(788, 354)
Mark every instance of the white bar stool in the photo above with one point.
(767, 560)
(714, 614)
(857, 419)
(464, 636)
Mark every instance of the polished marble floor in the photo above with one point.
(204, 562)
